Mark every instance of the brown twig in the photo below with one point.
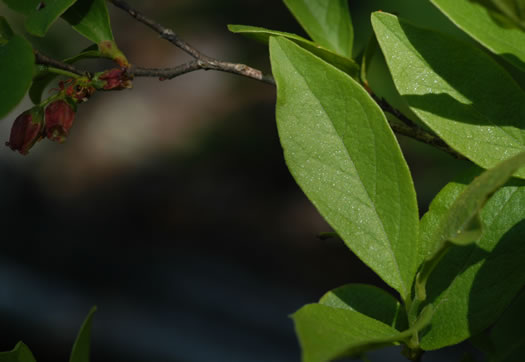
(203, 61)
(45, 60)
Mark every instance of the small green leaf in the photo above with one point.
(347, 65)
(507, 337)
(5, 31)
(472, 285)
(326, 22)
(343, 154)
(464, 211)
(40, 18)
(21, 353)
(370, 301)
(327, 333)
(82, 345)
(465, 97)
(91, 19)
(16, 71)
(477, 21)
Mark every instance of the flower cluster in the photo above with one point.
(53, 122)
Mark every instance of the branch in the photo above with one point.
(202, 61)
(45, 60)
(409, 129)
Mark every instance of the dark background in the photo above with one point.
(170, 206)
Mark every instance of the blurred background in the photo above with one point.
(170, 206)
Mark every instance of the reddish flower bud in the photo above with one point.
(26, 130)
(115, 79)
(59, 119)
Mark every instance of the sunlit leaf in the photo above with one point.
(456, 89)
(479, 23)
(21, 353)
(263, 35)
(326, 22)
(342, 153)
(82, 346)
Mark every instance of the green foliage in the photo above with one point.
(327, 22)
(21, 353)
(82, 346)
(334, 146)
(479, 23)
(16, 75)
(459, 270)
(457, 90)
(346, 64)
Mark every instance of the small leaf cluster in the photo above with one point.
(459, 269)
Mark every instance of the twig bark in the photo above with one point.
(45, 60)
(203, 61)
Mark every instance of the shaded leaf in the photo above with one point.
(342, 153)
(5, 31)
(472, 285)
(370, 301)
(82, 345)
(326, 22)
(347, 65)
(16, 71)
(507, 337)
(477, 21)
(40, 18)
(91, 19)
(21, 353)
(457, 90)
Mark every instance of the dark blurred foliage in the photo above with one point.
(171, 208)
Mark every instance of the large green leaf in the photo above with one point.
(263, 35)
(456, 89)
(91, 19)
(327, 22)
(82, 345)
(472, 285)
(342, 153)
(21, 353)
(477, 21)
(507, 337)
(326, 333)
(370, 301)
(17, 63)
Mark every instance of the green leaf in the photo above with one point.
(342, 153)
(477, 21)
(370, 301)
(40, 18)
(507, 337)
(5, 31)
(326, 22)
(347, 65)
(327, 333)
(91, 19)
(16, 71)
(44, 77)
(82, 345)
(473, 284)
(21, 353)
(457, 90)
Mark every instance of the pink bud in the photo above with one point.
(115, 79)
(26, 130)
(59, 119)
